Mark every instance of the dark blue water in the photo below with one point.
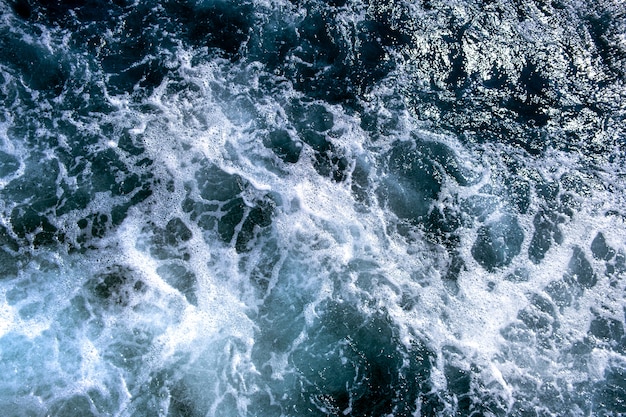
(312, 208)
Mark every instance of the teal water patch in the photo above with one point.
(498, 243)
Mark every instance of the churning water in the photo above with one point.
(312, 208)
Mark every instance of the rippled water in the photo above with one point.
(312, 208)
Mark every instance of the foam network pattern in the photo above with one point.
(312, 208)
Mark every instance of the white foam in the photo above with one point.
(7, 316)
(320, 233)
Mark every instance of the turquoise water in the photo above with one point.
(312, 208)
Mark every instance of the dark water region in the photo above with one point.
(312, 208)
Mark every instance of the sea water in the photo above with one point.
(312, 208)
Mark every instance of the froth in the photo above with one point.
(337, 226)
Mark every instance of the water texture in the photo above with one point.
(312, 208)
